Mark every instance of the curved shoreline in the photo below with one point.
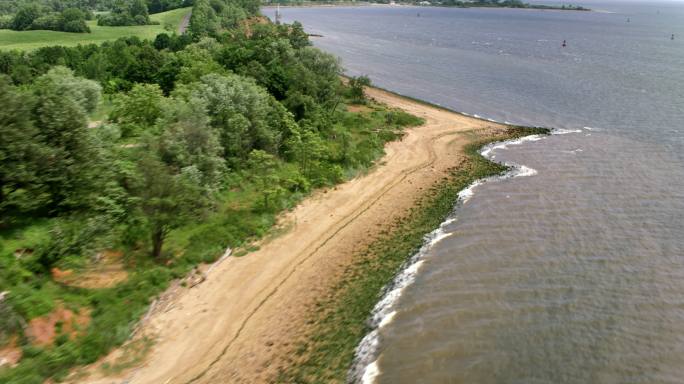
(249, 320)
(450, 194)
(365, 368)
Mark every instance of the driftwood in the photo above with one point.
(226, 255)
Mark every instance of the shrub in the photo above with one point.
(356, 85)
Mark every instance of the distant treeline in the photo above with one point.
(71, 15)
(501, 4)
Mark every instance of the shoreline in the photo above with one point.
(332, 4)
(364, 368)
(251, 318)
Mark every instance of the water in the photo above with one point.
(574, 274)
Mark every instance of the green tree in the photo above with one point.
(262, 171)
(319, 75)
(139, 12)
(73, 20)
(188, 140)
(162, 41)
(298, 38)
(85, 93)
(307, 149)
(203, 21)
(138, 110)
(246, 116)
(126, 12)
(167, 198)
(20, 151)
(197, 60)
(71, 168)
(356, 88)
(25, 16)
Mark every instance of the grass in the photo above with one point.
(237, 222)
(327, 353)
(29, 40)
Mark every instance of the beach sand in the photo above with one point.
(241, 324)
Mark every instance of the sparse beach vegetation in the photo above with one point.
(327, 353)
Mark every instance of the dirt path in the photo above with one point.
(184, 23)
(239, 325)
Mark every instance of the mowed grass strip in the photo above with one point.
(29, 40)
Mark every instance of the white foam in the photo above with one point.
(468, 192)
(523, 171)
(370, 373)
(487, 150)
(365, 367)
(561, 131)
(387, 319)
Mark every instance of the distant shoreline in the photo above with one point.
(331, 4)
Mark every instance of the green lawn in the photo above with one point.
(28, 40)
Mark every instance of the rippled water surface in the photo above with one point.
(574, 274)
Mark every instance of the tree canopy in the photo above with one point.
(169, 150)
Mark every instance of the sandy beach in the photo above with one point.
(239, 325)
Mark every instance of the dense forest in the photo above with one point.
(149, 157)
(71, 15)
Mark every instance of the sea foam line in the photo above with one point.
(365, 367)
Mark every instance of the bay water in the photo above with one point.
(573, 273)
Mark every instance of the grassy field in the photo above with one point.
(29, 40)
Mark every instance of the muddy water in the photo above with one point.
(573, 273)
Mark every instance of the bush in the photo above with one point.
(71, 237)
(10, 322)
(5, 22)
(356, 85)
(73, 20)
(50, 22)
(126, 14)
(25, 16)
(32, 18)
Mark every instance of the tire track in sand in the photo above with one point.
(239, 324)
(432, 156)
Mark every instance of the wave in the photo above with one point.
(487, 149)
(561, 131)
(365, 368)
